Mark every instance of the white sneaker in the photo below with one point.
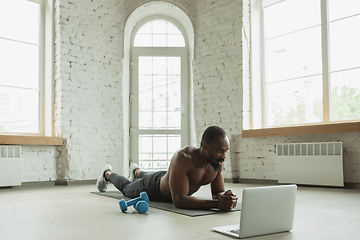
(133, 167)
(102, 182)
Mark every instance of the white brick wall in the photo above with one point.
(257, 157)
(187, 6)
(91, 108)
(38, 163)
(218, 69)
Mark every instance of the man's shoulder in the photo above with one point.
(189, 149)
(186, 156)
(188, 152)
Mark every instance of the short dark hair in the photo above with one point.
(210, 134)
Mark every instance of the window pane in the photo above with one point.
(294, 101)
(145, 82)
(344, 44)
(145, 119)
(145, 165)
(145, 157)
(159, 94)
(19, 110)
(345, 95)
(20, 20)
(174, 93)
(163, 148)
(160, 65)
(145, 88)
(284, 17)
(159, 26)
(159, 33)
(174, 65)
(145, 144)
(344, 8)
(175, 41)
(145, 101)
(293, 61)
(142, 40)
(146, 28)
(145, 65)
(160, 143)
(294, 55)
(163, 164)
(19, 64)
(174, 144)
(159, 40)
(174, 119)
(160, 120)
(172, 29)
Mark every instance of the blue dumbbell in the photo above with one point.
(141, 206)
(139, 203)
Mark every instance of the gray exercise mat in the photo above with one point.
(168, 206)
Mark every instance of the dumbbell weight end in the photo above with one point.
(123, 205)
(141, 206)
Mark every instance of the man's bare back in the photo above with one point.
(190, 168)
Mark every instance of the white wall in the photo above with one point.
(88, 100)
(89, 52)
(256, 157)
(39, 163)
(218, 70)
(91, 111)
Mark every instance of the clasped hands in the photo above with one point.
(227, 201)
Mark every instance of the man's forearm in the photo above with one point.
(217, 195)
(189, 202)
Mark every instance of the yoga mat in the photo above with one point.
(168, 206)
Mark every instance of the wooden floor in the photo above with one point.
(71, 212)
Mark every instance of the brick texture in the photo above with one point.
(91, 108)
(88, 82)
(218, 69)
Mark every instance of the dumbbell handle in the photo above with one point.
(143, 197)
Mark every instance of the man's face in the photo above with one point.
(216, 152)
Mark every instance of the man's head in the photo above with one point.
(215, 144)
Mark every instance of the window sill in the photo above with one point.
(341, 127)
(30, 140)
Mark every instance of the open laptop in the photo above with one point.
(264, 210)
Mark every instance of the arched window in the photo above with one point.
(159, 93)
(159, 33)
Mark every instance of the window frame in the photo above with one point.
(135, 52)
(258, 99)
(46, 135)
(156, 17)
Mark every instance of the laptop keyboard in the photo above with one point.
(236, 231)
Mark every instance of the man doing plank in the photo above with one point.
(189, 169)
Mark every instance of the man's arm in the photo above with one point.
(179, 186)
(217, 186)
(226, 200)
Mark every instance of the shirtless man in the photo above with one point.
(190, 168)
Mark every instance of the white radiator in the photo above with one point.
(318, 163)
(10, 166)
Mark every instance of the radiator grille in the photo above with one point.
(309, 149)
(10, 151)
